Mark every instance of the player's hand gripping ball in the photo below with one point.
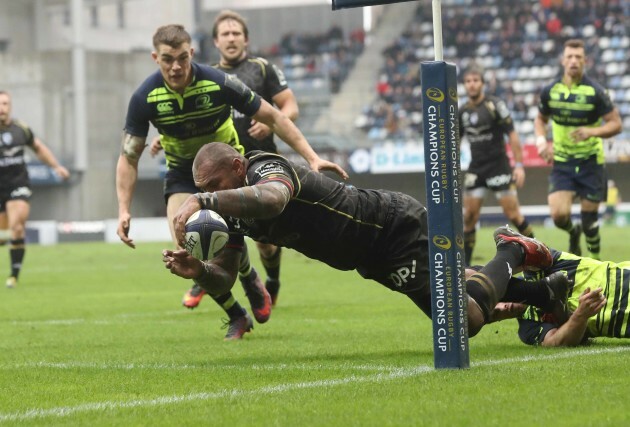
(206, 234)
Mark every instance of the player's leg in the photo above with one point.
(17, 214)
(258, 296)
(472, 208)
(560, 198)
(593, 190)
(508, 200)
(5, 233)
(488, 286)
(473, 200)
(270, 256)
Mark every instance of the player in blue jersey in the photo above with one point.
(381, 234)
(597, 304)
(190, 105)
(15, 186)
(582, 114)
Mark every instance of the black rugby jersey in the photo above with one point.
(485, 126)
(266, 80)
(187, 121)
(326, 220)
(13, 139)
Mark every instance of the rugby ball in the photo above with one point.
(206, 234)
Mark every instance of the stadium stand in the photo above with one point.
(518, 43)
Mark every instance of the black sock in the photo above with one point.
(16, 253)
(525, 229)
(534, 293)
(272, 264)
(488, 286)
(470, 238)
(230, 305)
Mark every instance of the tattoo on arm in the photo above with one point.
(133, 146)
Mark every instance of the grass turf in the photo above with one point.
(94, 334)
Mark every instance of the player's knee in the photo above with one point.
(476, 319)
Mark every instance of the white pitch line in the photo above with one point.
(395, 373)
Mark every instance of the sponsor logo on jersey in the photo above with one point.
(270, 168)
(165, 107)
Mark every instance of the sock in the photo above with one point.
(525, 229)
(470, 238)
(568, 226)
(488, 286)
(272, 264)
(16, 253)
(245, 268)
(534, 293)
(590, 224)
(230, 305)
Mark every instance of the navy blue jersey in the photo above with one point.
(582, 104)
(187, 121)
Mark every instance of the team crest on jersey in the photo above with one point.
(203, 102)
(7, 138)
(270, 168)
(474, 118)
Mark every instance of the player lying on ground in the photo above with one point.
(597, 304)
(376, 232)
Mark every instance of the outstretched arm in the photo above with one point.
(126, 178)
(282, 126)
(216, 276)
(260, 201)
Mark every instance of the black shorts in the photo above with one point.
(586, 178)
(495, 177)
(22, 192)
(177, 181)
(401, 261)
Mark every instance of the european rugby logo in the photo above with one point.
(435, 94)
(452, 93)
(442, 242)
(459, 241)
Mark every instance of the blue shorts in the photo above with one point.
(587, 179)
(177, 181)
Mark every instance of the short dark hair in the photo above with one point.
(173, 35)
(474, 69)
(225, 15)
(574, 43)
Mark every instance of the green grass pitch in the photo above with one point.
(95, 335)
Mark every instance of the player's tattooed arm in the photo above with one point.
(132, 147)
(262, 201)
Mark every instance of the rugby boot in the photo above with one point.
(558, 285)
(237, 327)
(192, 298)
(11, 282)
(273, 287)
(537, 255)
(259, 298)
